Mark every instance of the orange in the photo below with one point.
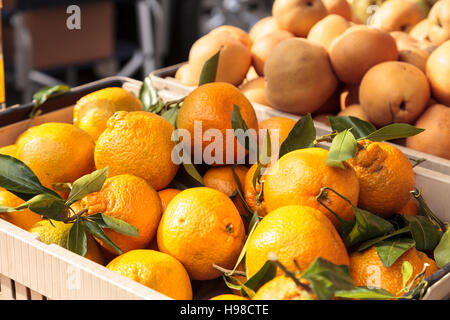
(298, 177)
(294, 232)
(367, 269)
(210, 106)
(200, 227)
(138, 143)
(280, 288)
(222, 179)
(24, 219)
(130, 199)
(278, 127)
(234, 32)
(10, 150)
(56, 152)
(410, 208)
(385, 176)
(228, 297)
(156, 270)
(250, 194)
(166, 196)
(93, 110)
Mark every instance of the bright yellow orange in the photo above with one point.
(138, 143)
(280, 288)
(385, 176)
(10, 150)
(200, 227)
(56, 152)
(166, 196)
(92, 111)
(228, 297)
(211, 105)
(367, 269)
(130, 199)
(298, 177)
(222, 179)
(294, 232)
(156, 270)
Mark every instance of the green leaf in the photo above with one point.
(17, 177)
(367, 226)
(365, 293)
(407, 271)
(171, 115)
(342, 148)
(87, 184)
(367, 244)
(209, 70)
(120, 226)
(394, 131)
(390, 250)
(94, 229)
(239, 126)
(360, 128)
(424, 232)
(325, 278)
(264, 275)
(302, 136)
(442, 251)
(45, 205)
(42, 95)
(149, 95)
(77, 240)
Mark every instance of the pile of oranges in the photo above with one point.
(381, 61)
(191, 235)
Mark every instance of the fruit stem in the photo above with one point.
(75, 216)
(289, 273)
(228, 272)
(417, 194)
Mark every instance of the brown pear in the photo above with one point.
(263, 27)
(397, 15)
(439, 17)
(358, 49)
(255, 91)
(394, 91)
(328, 29)
(421, 31)
(298, 16)
(354, 110)
(435, 139)
(349, 95)
(438, 72)
(299, 77)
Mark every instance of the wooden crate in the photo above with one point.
(32, 270)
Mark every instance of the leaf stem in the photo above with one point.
(75, 216)
(228, 272)
(417, 194)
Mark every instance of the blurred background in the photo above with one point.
(44, 44)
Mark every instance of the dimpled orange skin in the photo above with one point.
(24, 219)
(138, 143)
(92, 111)
(294, 232)
(385, 176)
(222, 179)
(166, 196)
(132, 200)
(212, 106)
(201, 226)
(56, 152)
(298, 177)
(367, 269)
(280, 288)
(156, 270)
